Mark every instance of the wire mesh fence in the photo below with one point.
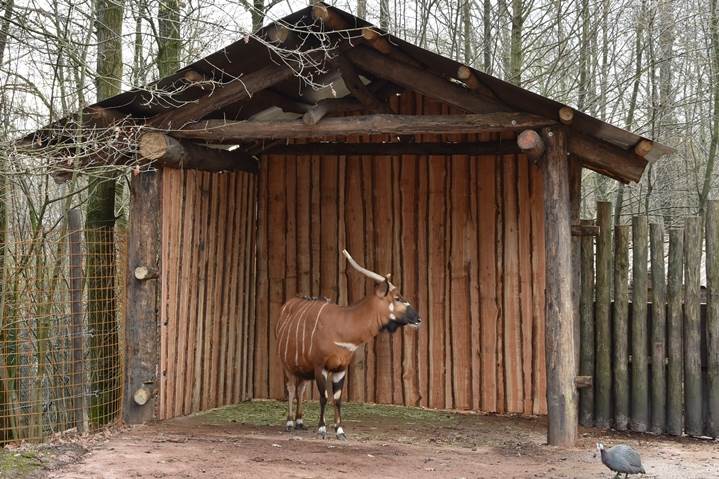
(60, 332)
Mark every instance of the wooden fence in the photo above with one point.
(649, 335)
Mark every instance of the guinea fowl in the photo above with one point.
(621, 459)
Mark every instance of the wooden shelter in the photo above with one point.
(463, 186)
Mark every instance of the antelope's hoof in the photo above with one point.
(322, 431)
(299, 426)
(289, 426)
(341, 436)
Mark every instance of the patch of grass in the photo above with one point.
(272, 413)
(15, 464)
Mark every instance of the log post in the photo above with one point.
(675, 346)
(640, 374)
(143, 297)
(712, 325)
(602, 318)
(566, 115)
(658, 349)
(692, 327)
(586, 344)
(620, 367)
(79, 406)
(559, 325)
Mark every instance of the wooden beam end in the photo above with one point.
(566, 115)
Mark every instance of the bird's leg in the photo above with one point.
(321, 379)
(338, 380)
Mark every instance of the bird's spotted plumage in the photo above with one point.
(621, 459)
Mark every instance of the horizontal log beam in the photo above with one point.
(395, 149)
(607, 159)
(358, 89)
(172, 153)
(416, 78)
(226, 131)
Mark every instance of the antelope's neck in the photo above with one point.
(360, 322)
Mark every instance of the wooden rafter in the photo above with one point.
(222, 96)
(358, 89)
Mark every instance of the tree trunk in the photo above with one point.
(516, 52)
(384, 14)
(709, 173)
(467, 37)
(99, 232)
(168, 43)
(638, 49)
(362, 8)
(487, 40)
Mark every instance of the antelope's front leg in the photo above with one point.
(321, 379)
(291, 391)
(338, 380)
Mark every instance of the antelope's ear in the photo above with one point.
(382, 289)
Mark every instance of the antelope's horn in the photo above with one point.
(370, 274)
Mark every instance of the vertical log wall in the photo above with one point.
(463, 237)
(207, 303)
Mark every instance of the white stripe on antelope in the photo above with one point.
(316, 337)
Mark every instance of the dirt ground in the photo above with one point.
(248, 441)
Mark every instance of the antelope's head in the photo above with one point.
(393, 307)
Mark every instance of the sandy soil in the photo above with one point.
(234, 443)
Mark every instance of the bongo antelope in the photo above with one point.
(316, 340)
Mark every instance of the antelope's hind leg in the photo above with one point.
(301, 385)
(321, 380)
(290, 383)
(338, 380)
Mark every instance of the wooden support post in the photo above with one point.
(586, 344)
(712, 325)
(532, 145)
(173, 153)
(79, 403)
(143, 297)
(620, 366)
(640, 374)
(675, 345)
(602, 318)
(559, 321)
(692, 328)
(575, 200)
(658, 349)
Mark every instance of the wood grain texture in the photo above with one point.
(207, 303)
(468, 257)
